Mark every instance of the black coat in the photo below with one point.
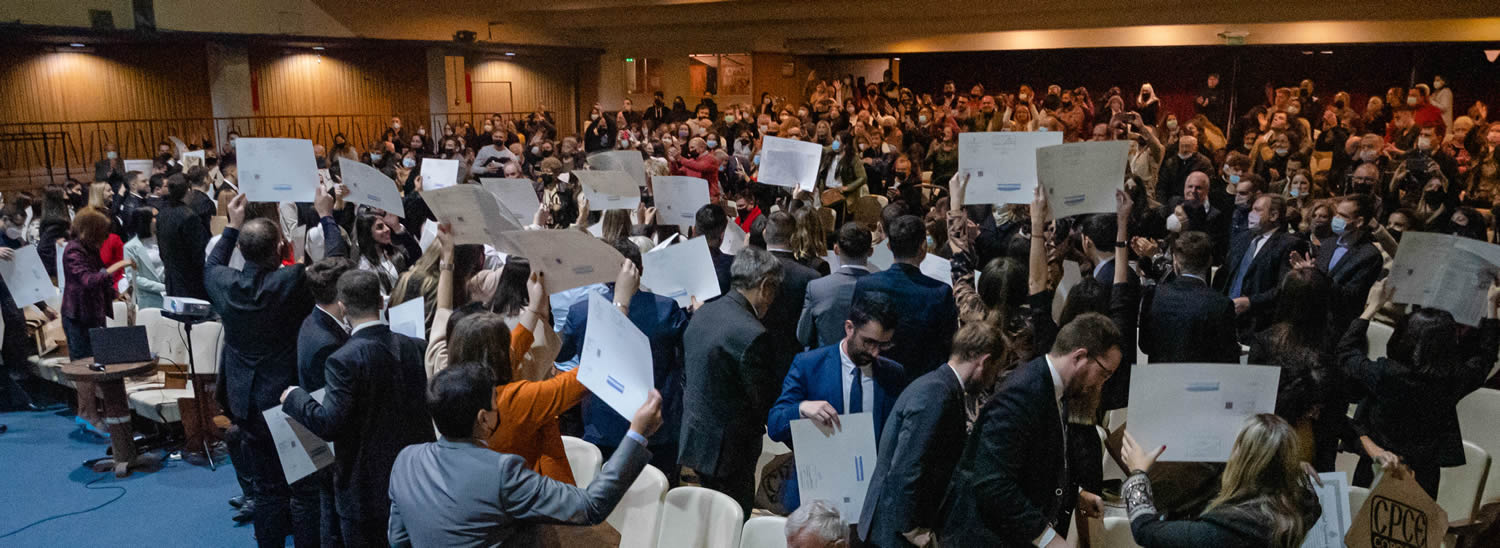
(781, 319)
(1011, 482)
(928, 316)
(1352, 277)
(182, 237)
(916, 459)
(375, 406)
(731, 383)
(1264, 276)
(1184, 321)
(318, 338)
(261, 311)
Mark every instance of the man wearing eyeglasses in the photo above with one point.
(1013, 486)
(845, 378)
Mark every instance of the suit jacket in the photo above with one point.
(731, 383)
(1352, 277)
(183, 237)
(375, 406)
(916, 459)
(663, 323)
(318, 338)
(460, 493)
(781, 317)
(1011, 482)
(826, 307)
(1263, 274)
(261, 311)
(722, 261)
(928, 320)
(1183, 320)
(1174, 172)
(817, 375)
(88, 289)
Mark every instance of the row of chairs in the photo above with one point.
(157, 401)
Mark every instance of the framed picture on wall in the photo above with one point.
(788, 69)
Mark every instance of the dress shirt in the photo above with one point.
(866, 382)
(1338, 253)
(371, 323)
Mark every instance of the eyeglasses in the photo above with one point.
(1107, 371)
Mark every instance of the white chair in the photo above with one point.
(1476, 420)
(1112, 532)
(119, 315)
(584, 458)
(1462, 486)
(208, 345)
(1357, 498)
(1376, 338)
(638, 514)
(764, 532)
(694, 517)
(165, 335)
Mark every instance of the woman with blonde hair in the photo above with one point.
(810, 239)
(1266, 496)
(112, 250)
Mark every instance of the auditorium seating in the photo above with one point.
(1461, 487)
(701, 518)
(764, 532)
(638, 515)
(584, 458)
(1477, 414)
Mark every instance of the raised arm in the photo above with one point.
(1036, 281)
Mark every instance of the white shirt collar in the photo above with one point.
(955, 375)
(863, 267)
(370, 323)
(336, 319)
(1057, 380)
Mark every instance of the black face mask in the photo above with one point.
(743, 212)
(322, 162)
(1396, 234)
(1434, 198)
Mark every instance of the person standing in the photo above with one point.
(916, 456)
(826, 306)
(182, 237)
(1184, 320)
(929, 315)
(731, 380)
(1259, 257)
(374, 408)
(1012, 486)
(323, 332)
(260, 308)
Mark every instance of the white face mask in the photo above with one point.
(1184, 155)
(1174, 224)
(1411, 101)
(111, 155)
(1424, 143)
(13, 233)
(1253, 220)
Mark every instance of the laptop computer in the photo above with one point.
(114, 345)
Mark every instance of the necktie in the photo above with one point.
(856, 394)
(1235, 288)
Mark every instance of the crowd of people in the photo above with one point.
(1270, 229)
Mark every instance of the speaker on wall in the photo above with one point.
(145, 15)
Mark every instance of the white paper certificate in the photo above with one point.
(735, 239)
(438, 174)
(196, 158)
(1197, 409)
(1330, 528)
(628, 161)
(409, 318)
(789, 162)
(368, 186)
(1002, 164)
(568, 258)
(1445, 272)
(681, 271)
(143, 166)
(937, 268)
(835, 465)
(517, 196)
(678, 199)
(277, 170)
(301, 451)
(475, 215)
(608, 190)
(616, 361)
(27, 278)
(1081, 177)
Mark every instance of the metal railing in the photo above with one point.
(34, 153)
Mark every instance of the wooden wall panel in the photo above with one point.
(113, 83)
(339, 82)
(531, 84)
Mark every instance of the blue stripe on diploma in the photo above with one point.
(617, 385)
(1074, 200)
(1205, 386)
(1008, 187)
(281, 187)
(583, 270)
(859, 468)
(372, 197)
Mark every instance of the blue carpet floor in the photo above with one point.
(42, 475)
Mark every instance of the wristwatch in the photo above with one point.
(1121, 243)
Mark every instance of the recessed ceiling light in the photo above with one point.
(510, 54)
(76, 45)
(896, 59)
(317, 48)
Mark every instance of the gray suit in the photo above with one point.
(827, 306)
(460, 493)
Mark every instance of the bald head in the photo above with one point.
(1187, 146)
(260, 242)
(1195, 189)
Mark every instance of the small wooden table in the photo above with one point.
(111, 383)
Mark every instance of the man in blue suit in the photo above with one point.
(827, 303)
(711, 222)
(322, 333)
(845, 378)
(929, 316)
(663, 323)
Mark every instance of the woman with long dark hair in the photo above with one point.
(1311, 394)
(382, 248)
(54, 221)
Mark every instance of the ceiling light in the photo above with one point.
(1326, 52)
(317, 48)
(1307, 52)
(510, 54)
(896, 59)
(76, 45)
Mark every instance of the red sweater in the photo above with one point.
(113, 251)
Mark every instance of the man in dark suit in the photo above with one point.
(374, 407)
(1351, 259)
(110, 169)
(199, 198)
(663, 323)
(1012, 486)
(261, 308)
(1258, 258)
(499, 500)
(847, 377)
(182, 238)
(1179, 163)
(731, 380)
(1203, 216)
(929, 316)
(322, 333)
(827, 304)
(711, 222)
(1099, 233)
(916, 446)
(781, 319)
(1184, 320)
